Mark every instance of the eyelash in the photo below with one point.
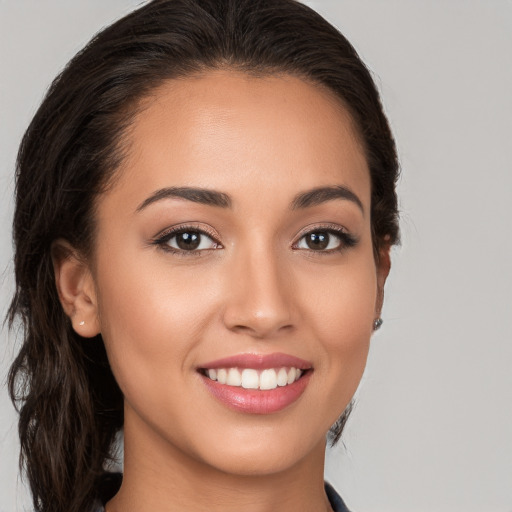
(162, 240)
(346, 240)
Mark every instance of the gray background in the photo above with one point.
(432, 430)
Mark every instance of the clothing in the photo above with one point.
(111, 482)
(337, 503)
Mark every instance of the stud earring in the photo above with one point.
(377, 323)
(82, 323)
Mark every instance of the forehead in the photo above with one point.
(228, 130)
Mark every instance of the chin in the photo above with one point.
(264, 451)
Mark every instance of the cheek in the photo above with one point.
(343, 301)
(343, 318)
(151, 319)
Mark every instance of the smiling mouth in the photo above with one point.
(250, 378)
(257, 383)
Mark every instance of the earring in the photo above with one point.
(377, 323)
(82, 323)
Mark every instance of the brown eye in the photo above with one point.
(190, 240)
(318, 241)
(325, 241)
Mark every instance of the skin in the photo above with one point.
(258, 288)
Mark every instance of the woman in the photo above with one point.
(205, 209)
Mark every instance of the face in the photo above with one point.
(234, 279)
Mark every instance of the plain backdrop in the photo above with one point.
(432, 429)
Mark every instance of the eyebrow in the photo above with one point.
(220, 199)
(323, 194)
(196, 195)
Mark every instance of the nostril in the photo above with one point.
(261, 329)
(260, 304)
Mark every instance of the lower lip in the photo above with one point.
(254, 401)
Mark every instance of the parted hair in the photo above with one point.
(69, 403)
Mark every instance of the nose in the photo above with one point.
(259, 300)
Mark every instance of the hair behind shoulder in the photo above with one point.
(70, 405)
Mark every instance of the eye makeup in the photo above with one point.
(187, 240)
(193, 240)
(325, 238)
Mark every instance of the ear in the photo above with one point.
(75, 286)
(383, 266)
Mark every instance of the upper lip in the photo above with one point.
(258, 362)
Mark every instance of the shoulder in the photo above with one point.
(337, 504)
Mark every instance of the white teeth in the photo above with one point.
(268, 379)
(234, 378)
(249, 378)
(282, 377)
(222, 376)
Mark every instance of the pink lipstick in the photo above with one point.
(257, 383)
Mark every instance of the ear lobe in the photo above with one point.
(75, 286)
(383, 265)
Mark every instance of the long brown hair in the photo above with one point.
(70, 405)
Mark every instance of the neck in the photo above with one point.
(159, 477)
